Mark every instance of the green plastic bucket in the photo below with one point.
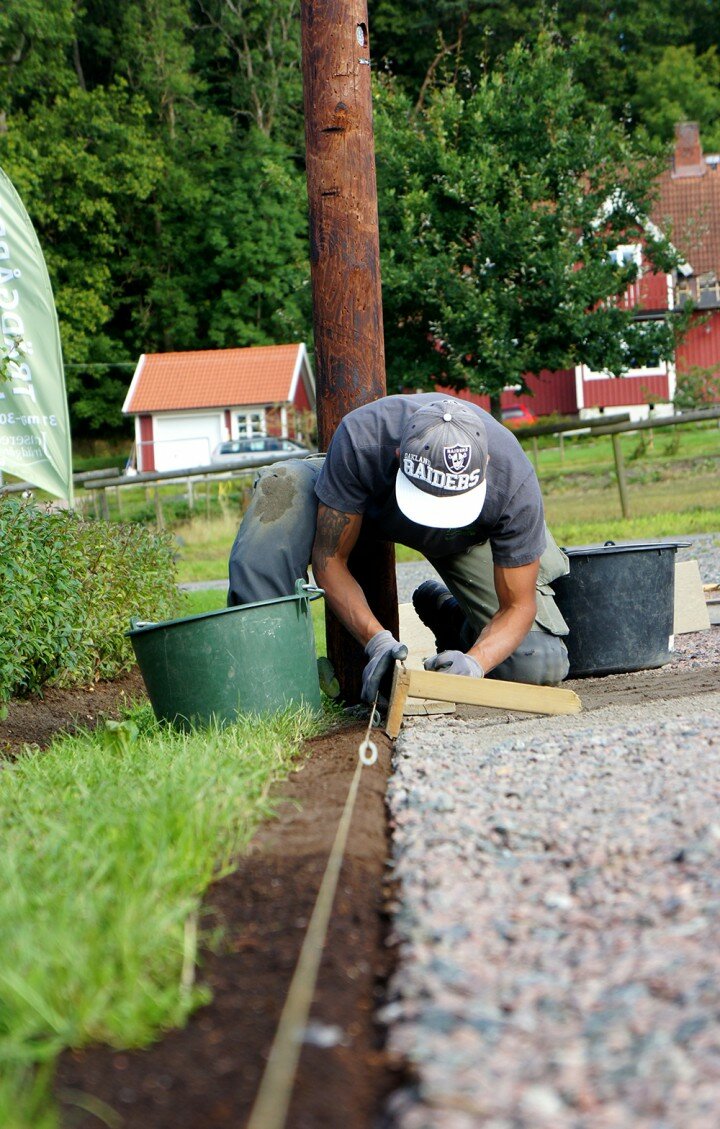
(253, 658)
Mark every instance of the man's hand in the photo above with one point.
(382, 651)
(455, 662)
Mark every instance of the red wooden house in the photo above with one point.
(688, 208)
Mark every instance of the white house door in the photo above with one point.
(186, 441)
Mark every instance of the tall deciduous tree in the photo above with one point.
(156, 145)
(500, 210)
(680, 86)
(249, 51)
(619, 45)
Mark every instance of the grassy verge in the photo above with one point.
(593, 455)
(109, 842)
(204, 547)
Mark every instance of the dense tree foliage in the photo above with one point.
(619, 44)
(502, 211)
(158, 146)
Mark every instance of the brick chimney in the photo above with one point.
(688, 159)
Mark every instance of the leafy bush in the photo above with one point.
(697, 388)
(67, 590)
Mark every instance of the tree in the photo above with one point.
(614, 41)
(166, 188)
(680, 86)
(500, 209)
(85, 166)
(249, 51)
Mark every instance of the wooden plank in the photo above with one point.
(426, 707)
(398, 698)
(690, 610)
(492, 692)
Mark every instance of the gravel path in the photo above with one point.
(558, 921)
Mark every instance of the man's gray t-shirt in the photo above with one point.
(358, 477)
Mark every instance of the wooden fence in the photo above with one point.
(98, 482)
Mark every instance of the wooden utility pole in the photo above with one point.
(345, 266)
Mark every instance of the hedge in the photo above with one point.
(68, 588)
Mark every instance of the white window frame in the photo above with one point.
(626, 253)
(251, 424)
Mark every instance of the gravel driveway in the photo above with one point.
(558, 919)
(558, 912)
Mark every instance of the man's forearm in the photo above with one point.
(501, 636)
(347, 600)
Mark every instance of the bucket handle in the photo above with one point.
(136, 623)
(302, 588)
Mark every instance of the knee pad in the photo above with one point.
(541, 660)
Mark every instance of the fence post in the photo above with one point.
(620, 473)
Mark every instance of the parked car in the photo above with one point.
(517, 416)
(248, 450)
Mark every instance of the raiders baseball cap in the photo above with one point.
(443, 459)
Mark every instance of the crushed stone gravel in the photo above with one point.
(557, 920)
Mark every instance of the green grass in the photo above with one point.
(204, 547)
(657, 509)
(658, 447)
(109, 843)
(203, 600)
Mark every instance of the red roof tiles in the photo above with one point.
(213, 378)
(688, 205)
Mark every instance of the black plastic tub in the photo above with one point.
(618, 601)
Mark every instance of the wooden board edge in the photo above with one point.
(398, 698)
(492, 692)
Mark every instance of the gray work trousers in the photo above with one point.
(274, 544)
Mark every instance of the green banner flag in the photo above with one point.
(34, 424)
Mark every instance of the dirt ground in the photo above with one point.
(207, 1074)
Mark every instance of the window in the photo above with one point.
(251, 423)
(627, 254)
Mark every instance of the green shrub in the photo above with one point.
(697, 388)
(67, 590)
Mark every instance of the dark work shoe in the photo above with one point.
(439, 610)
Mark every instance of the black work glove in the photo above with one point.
(455, 662)
(382, 651)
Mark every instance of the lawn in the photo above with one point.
(110, 840)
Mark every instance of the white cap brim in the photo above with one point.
(439, 513)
